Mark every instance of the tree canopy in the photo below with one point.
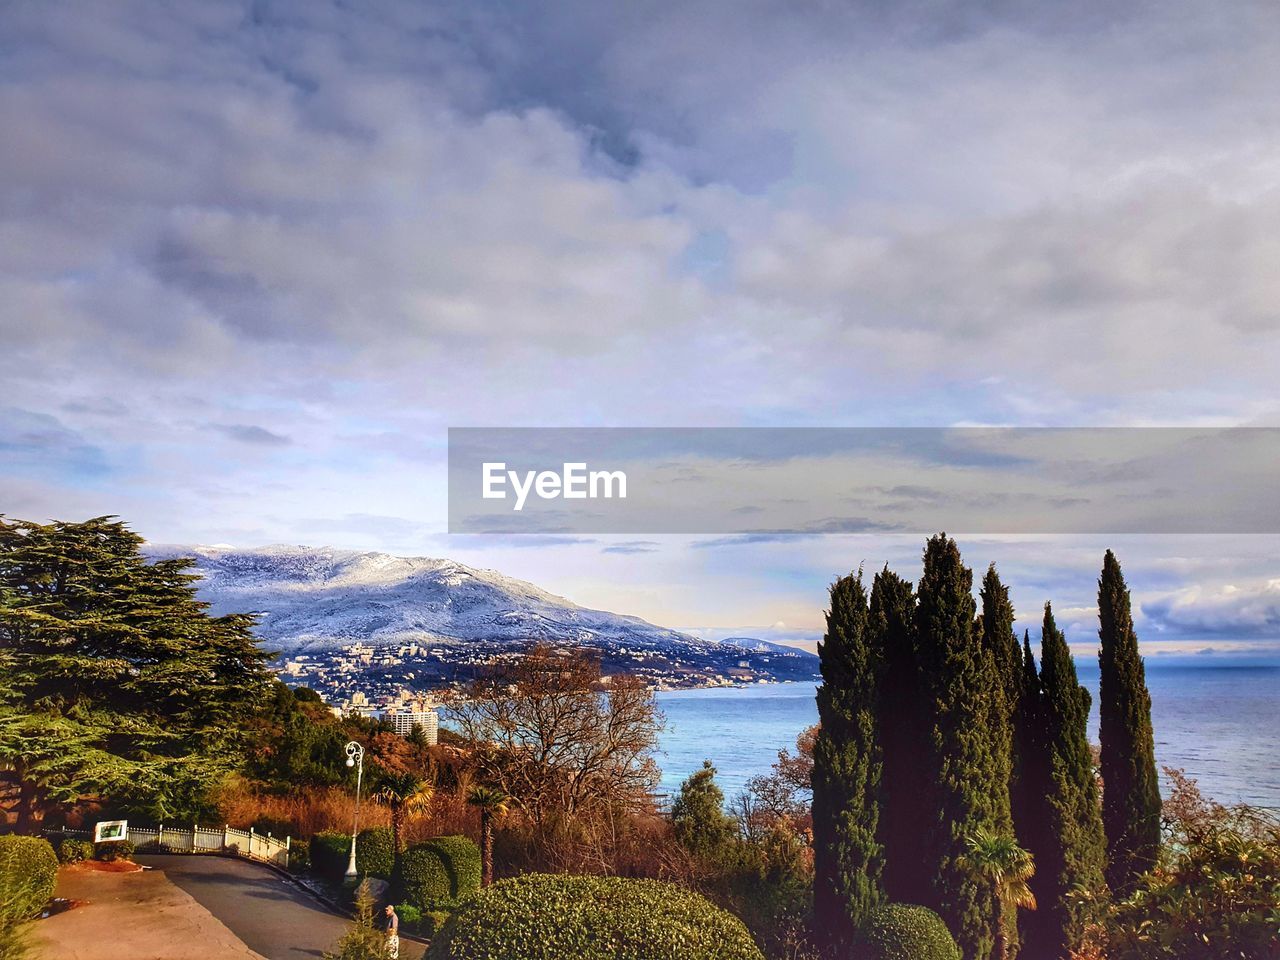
(118, 683)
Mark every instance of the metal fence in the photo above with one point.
(198, 839)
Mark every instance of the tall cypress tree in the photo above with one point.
(1030, 783)
(1000, 647)
(848, 857)
(905, 730)
(964, 762)
(1070, 850)
(1131, 789)
(1004, 659)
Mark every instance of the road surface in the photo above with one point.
(269, 913)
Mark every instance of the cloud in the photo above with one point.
(251, 433)
(1228, 610)
(632, 547)
(361, 226)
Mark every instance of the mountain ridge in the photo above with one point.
(319, 599)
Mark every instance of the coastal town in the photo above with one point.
(402, 683)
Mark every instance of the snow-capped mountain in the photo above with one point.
(315, 599)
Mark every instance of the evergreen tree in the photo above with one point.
(697, 816)
(964, 762)
(1004, 659)
(904, 730)
(1131, 790)
(362, 939)
(1026, 789)
(118, 685)
(848, 858)
(1070, 850)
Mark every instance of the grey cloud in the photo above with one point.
(631, 547)
(1250, 611)
(251, 433)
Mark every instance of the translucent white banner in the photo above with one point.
(806, 481)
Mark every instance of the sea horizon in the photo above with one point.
(1213, 720)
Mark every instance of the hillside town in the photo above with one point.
(392, 681)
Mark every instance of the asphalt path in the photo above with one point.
(265, 910)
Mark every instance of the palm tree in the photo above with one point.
(407, 794)
(493, 805)
(997, 859)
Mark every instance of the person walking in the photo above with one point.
(392, 928)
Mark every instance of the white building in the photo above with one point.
(408, 714)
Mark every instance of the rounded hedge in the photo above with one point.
(375, 853)
(546, 917)
(28, 874)
(329, 853)
(438, 873)
(904, 931)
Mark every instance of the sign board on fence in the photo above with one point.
(106, 831)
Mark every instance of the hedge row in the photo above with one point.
(329, 853)
(436, 874)
(28, 873)
(545, 917)
(375, 853)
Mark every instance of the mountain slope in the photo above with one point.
(319, 599)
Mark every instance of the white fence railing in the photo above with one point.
(198, 839)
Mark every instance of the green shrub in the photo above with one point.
(115, 850)
(902, 931)
(431, 923)
(440, 872)
(299, 856)
(329, 854)
(545, 917)
(73, 851)
(410, 916)
(28, 874)
(375, 853)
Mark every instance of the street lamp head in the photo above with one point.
(350, 762)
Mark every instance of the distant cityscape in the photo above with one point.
(396, 682)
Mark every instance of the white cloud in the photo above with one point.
(352, 226)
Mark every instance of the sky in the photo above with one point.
(256, 258)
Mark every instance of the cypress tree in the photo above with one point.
(1131, 790)
(1030, 781)
(848, 858)
(1004, 660)
(964, 762)
(904, 737)
(1026, 790)
(1070, 850)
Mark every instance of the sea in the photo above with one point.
(1220, 724)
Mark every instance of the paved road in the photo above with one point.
(269, 913)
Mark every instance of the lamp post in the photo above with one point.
(355, 758)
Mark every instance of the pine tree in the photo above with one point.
(697, 815)
(1070, 850)
(362, 939)
(118, 683)
(1131, 790)
(848, 858)
(964, 763)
